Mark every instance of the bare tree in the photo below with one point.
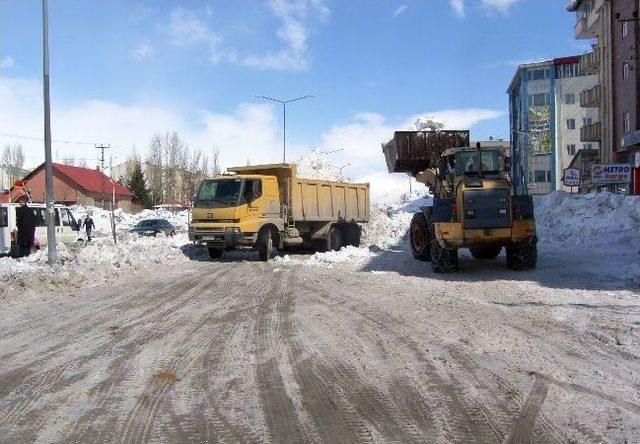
(69, 160)
(13, 161)
(83, 163)
(215, 163)
(154, 173)
(174, 158)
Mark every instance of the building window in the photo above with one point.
(586, 121)
(539, 99)
(538, 74)
(570, 99)
(625, 29)
(540, 176)
(626, 122)
(571, 150)
(587, 146)
(571, 124)
(626, 68)
(549, 176)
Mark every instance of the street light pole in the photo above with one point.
(48, 165)
(284, 103)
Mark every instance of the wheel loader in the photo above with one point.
(474, 204)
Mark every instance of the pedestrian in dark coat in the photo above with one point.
(26, 223)
(88, 226)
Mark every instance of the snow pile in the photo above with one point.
(591, 218)
(314, 164)
(350, 254)
(124, 220)
(92, 263)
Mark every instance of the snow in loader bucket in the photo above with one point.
(416, 151)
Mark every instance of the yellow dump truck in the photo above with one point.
(268, 207)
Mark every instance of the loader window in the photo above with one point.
(220, 190)
(466, 163)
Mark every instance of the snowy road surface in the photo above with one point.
(287, 352)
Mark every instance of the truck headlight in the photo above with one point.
(232, 229)
(471, 214)
(503, 211)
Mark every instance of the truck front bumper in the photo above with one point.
(221, 238)
(453, 235)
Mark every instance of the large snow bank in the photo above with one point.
(124, 221)
(315, 164)
(604, 216)
(80, 265)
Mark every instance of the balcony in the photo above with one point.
(591, 133)
(590, 62)
(591, 98)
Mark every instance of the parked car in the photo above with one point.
(152, 227)
(67, 228)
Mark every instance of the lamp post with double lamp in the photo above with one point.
(284, 103)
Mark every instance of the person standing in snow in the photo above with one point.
(26, 224)
(88, 226)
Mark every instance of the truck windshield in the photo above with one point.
(220, 190)
(467, 162)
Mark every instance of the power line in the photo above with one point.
(18, 136)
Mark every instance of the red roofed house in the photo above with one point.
(81, 186)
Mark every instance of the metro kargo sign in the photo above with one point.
(571, 177)
(611, 174)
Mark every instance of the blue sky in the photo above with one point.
(121, 70)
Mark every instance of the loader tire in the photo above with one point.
(265, 244)
(486, 252)
(443, 260)
(351, 235)
(215, 253)
(419, 238)
(523, 256)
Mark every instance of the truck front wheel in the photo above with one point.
(419, 238)
(265, 244)
(523, 256)
(443, 260)
(215, 253)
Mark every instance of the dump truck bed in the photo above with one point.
(311, 200)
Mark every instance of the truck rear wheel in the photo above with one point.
(443, 260)
(334, 239)
(523, 256)
(215, 253)
(351, 234)
(491, 252)
(419, 238)
(265, 244)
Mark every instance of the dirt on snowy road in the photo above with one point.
(247, 351)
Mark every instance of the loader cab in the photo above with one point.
(464, 162)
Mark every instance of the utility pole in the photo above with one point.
(284, 103)
(113, 201)
(101, 159)
(48, 163)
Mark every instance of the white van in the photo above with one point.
(67, 229)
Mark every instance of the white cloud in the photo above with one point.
(185, 28)
(6, 62)
(251, 131)
(501, 6)
(141, 52)
(295, 17)
(399, 10)
(458, 7)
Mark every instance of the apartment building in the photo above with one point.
(545, 119)
(612, 26)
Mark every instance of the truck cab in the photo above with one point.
(229, 211)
